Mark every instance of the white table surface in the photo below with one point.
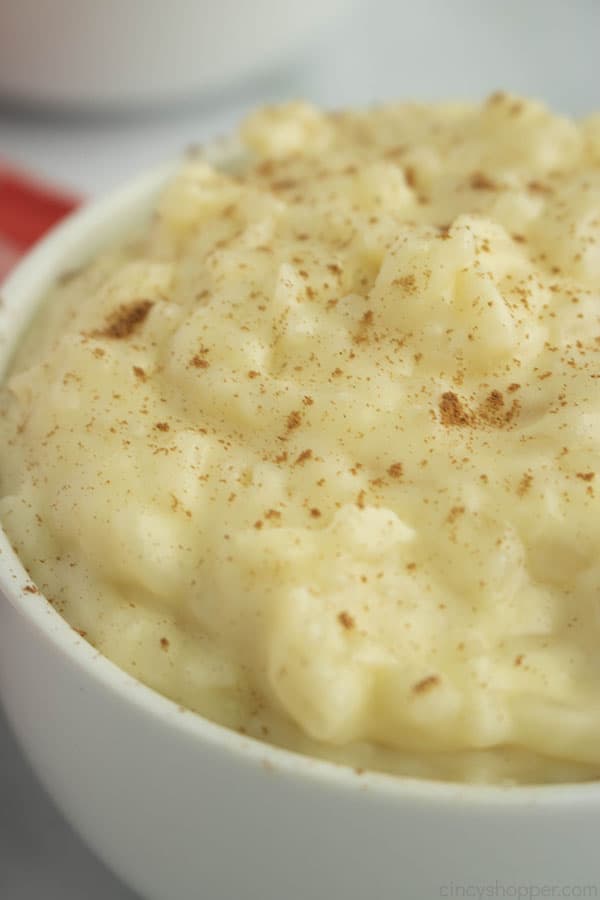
(388, 48)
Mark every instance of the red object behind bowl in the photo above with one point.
(28, 209)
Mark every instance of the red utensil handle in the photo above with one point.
(28, 208)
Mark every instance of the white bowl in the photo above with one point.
(181, 808)
(120, 52)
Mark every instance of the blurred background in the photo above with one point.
(91, 91)
(94, 91)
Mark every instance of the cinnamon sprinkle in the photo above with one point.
(125, 320)
(426, 684)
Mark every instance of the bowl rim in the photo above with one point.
(77, 238)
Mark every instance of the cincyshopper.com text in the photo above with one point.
(499, 889)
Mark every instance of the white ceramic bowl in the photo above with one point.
(183, 809)
(120, 52)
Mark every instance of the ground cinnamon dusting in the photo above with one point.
(454, 514)
(537, 187)
(479, 181)
(407, 282)
(452, 412)
(524, 484)
(426, 684)
(125, 320)
(346, 620)
(284, 184)
(293, 421)
(493, 411)
(303, 457)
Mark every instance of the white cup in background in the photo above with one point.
(116, 53)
